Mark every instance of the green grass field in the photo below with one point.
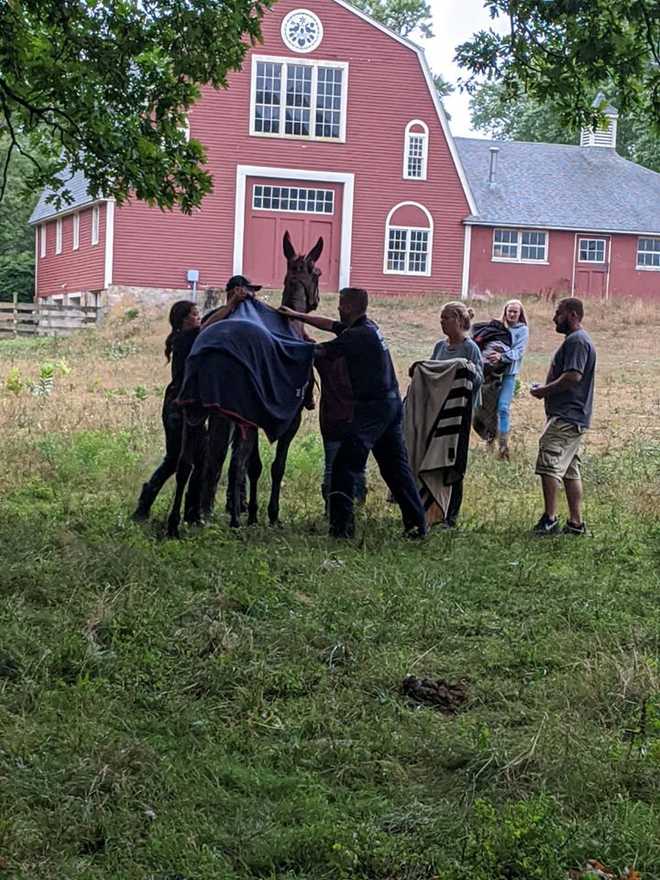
(230, 705)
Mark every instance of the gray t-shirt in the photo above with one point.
(467, 349)
(574, 404)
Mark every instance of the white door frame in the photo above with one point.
(348, 180)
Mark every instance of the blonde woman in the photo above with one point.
(455, 320)
(515, 320)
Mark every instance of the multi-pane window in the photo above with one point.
(505, 244)
(95, 224)
(533, 245)
(76, 231)
(293, 198)
(416, 151)
(298, 99)
(58, 235)
(408, 251)
(520, 245)
(591, 250)
(328, 102)
(648, 253)
(267, 98)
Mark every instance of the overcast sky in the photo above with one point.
(454, 22)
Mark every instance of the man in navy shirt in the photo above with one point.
(374, 413)
(568, 394)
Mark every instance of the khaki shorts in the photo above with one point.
(559, 450)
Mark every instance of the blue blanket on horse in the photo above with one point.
(252, 367)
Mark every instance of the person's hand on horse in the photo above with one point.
(286, 312)
(239, 295)
(494, 357)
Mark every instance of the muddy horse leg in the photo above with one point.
(278, 468)
(241, 455)
(193, 436)
(219, 435)
(254, 469)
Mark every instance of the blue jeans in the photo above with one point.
(331, 448)
(504, 404)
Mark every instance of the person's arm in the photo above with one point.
(317, 321)
(575, 362)
(475, 359)
(235, 298)
(566, 380)
(514, 354)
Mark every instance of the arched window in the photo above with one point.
(408, 240)
(416, 150)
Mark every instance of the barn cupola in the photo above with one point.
(604, 136)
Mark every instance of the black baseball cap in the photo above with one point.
(241, 281)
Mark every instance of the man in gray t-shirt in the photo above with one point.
(568, 394)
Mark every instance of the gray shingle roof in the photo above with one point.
(560, 186)
(76, 185)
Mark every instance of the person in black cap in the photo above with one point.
(373, 403)
(238, 289)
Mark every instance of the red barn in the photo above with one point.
(333, 127)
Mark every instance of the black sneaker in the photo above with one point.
(417, 533)
(546, 526)
(574, 529)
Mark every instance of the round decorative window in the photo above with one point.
(302, 31)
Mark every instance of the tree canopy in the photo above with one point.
(401, 16)
(523, 118)
(569, 49)
(105, 87)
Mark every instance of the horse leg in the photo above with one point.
(192, 513)
(241, 455)
(219, 435)
(184, 467)
(254, 469)
(278, 468)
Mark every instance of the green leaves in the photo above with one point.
(568, 49)
(105, 89)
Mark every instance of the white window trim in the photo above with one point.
(58, 235)
(348, 181)
(96, 222)
(428, 229)
(296, 210)
(637, 264)
(315, 63)
(519, 258)
(592, 238)
(425, 148)
(42, 241)
(76, 231)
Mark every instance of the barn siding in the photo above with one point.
(510, 279)
(72, 271)
(386, 90)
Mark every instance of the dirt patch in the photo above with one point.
(442, 695)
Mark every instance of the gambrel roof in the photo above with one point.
(559, 186)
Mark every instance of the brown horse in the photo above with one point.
(204, 450)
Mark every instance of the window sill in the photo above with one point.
(299, 137)
(407, 274)
(648, 268)
(520, 262)
(592, 262)
(421, 179)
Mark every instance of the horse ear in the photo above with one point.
(315, 252)
(289, 250)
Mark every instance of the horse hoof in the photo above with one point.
(173, 532)
(234, 524)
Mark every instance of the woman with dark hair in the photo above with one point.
(185, 323)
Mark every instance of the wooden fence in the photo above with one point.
(44, 319)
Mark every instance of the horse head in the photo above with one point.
(301, 282)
